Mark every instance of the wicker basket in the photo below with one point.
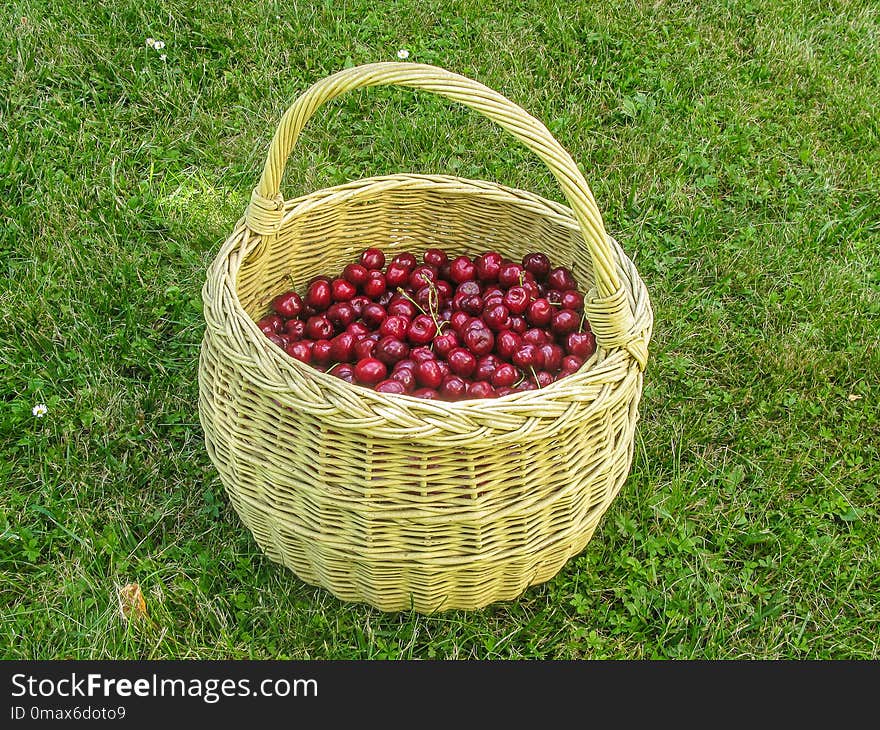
(391, 500)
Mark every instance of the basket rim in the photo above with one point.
(244, 242)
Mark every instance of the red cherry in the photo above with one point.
(506, 343)
(405, 259)
(373, 315)
(402, 308)
(573, 299)
(527, 356)
(540, 313)
(355, 274)
(526, 384)
(435, 257)
(458, 320)
(363, 348)
(565, 321)
(488, 266)
(571, 364)
(462, 269)
(534, 291)
(461, 362)
(319, 328)
(510, 275)
(372, 258)
(582, 344)
(426, 394)
(554, 297)
(390, 350)
(301, 350)
(543, 378)
(370, 371)
(394, 327)
(343, 371)
(321, 352)
(480, 389)
(537, 264)
(396, 275)
(518, 324)
(358, 303)
(358, 329)
(375, 285)
(479, 340)
(516, 299)
(422, 276)
(561, 279)
(445, 342)
(504, 390)
(405, 376)
(271, 324)
(342, 347)
(426, 298)
(341, 314)
(279, 340)
(535, 336)
(505, 375)
(390, 386)
(453, 388)
(343, 290)
(429, 374)
(288, 305)
(472, 305)
(486, 366)
(469, 288)
(420, 354)
(295, 329)
(319, 295)
(497, 317)
(444, 291)
(552, 355)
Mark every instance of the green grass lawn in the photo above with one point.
(733, 148)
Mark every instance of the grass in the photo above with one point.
(733, 148)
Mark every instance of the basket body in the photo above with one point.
(390, 500)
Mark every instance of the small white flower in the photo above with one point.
(163, 57)
(159, 45)
(40, 410)
(403, 54)
(151, 43)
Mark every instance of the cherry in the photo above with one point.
(552, 355)
(554, 296)
(271, 324)
(537, 264)
(488, 266)
(279, 340)
(528, 356)
(505, 375)
(343, 290)
(341, 314)
(390, 386)
(370, 371)
(461, 362)
(561, 279)
(402, 308)
(480, 389)
(506, 343)
(395, 326)
(518, 324)
(319, 328)
(543, 378)
(343, 371)
(516, 299)
(426, 298)
(497, 317)
(321, 352)
(534, 291)
(301, 350)
(564, 322)
(572, 299)
(426, 393)
(396, 275)
(355, 274)
(462, 269)
(372, 258)
(469, 288)
(510, 275)
(420, 354)
(405, 259)
(429, 374)
(582, 344)
(473, 305)
(363, 348)
(571, 364)
(479, 340)
(342, 347)
(505, 390)
(375, 285)
(358, 303)
(444, 291)
(358, 329)
(539, 313)
(535, 336)
(373, 315)
(288, 305)
(405, 364)
(405, 376)
(422, 276)
(445, 342)
(486, 365)
(458, 320)
(319, 295)
(390, 350)
(295, 329)
(526, 384)
(453, 387)
(435, 257)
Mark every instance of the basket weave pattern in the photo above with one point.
(392, 500)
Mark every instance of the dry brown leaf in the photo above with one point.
(852, 397)
(131, 602)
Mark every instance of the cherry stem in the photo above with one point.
(535, 375)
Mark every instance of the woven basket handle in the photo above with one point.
(607, 306)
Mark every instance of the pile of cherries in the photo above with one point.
(456, 329)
